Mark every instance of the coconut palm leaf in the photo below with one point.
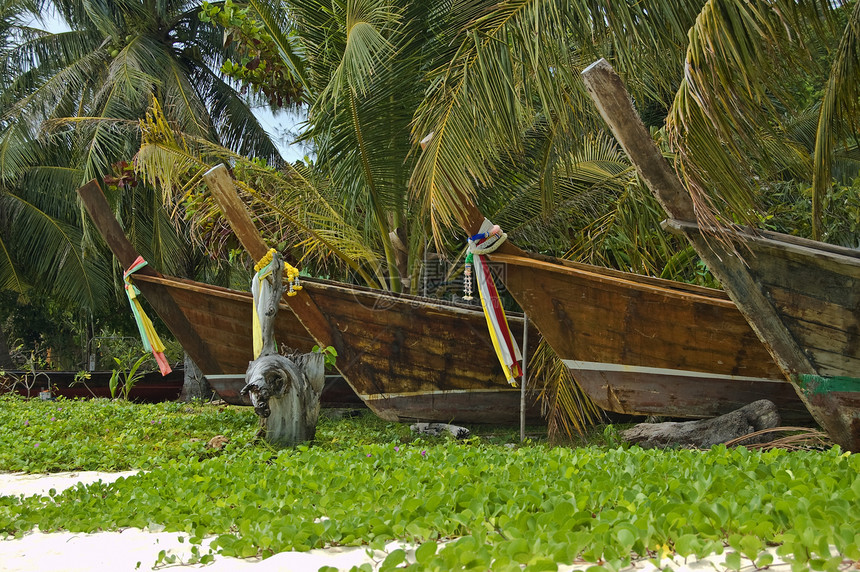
(295, 210)
(740, 58)
(569, 411)
(51, 250)
(518, 62)
(838, 107)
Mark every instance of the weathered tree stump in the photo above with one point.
(705, 433)
(285, 391)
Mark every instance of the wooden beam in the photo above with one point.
(96, 204)
(159, 298)
(224, 191)
(303, 306)
(611, 98)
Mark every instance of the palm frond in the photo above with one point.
(10, 276)
(519, 61)
(297, 213)
(569, 410)
(52, 249)
(838, 102)
(738, 58)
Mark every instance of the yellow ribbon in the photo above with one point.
(263, 270)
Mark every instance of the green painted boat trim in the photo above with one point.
(812, 384)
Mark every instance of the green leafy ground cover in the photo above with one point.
(366, 482)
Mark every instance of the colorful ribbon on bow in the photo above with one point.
(260, 288)
(500, 332)
(151, 341)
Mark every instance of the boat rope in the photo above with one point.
(151, 341)
(486, 242)
(260, 287)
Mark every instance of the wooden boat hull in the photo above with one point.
(645, 346)
(835, 403)
(815, 292)
(801, 297)
(407, 358)
(152, 387)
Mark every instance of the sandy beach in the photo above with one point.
(134, 548)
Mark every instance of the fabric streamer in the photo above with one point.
(151, 341)
(260, 287)
(488, 240)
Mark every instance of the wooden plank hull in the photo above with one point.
(801, 297)
(816, 295)
(646, 346)
(407, 358)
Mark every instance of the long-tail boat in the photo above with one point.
(802, 297)
(642, 345)
(151, 388)
(408, 358)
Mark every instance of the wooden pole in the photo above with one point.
(222, 188)
(224, 191)
(524, 379)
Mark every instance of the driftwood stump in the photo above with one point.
(705, 433)
(285, 390)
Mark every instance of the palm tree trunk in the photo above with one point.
(5, 356)
(194, 385)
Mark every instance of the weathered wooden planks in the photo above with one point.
(643, 346)
(638, 344)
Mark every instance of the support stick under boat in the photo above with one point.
(524, 378)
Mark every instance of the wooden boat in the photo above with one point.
(151, 388)
(801, 297)
(407, 358)
(640, 345)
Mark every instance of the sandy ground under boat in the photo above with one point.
(133, 548)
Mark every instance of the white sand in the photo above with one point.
(133, 548)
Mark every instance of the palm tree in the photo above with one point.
(72, 102)
(718, 74)
(363, 69)
(361, 65)
(115, 57)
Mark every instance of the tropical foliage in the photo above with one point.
(71, 104)
(465, 505)
(750, 71)
(497, 89)
(754, 102)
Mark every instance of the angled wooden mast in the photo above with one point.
(616, 108)
(222, 188)
(475, 381)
